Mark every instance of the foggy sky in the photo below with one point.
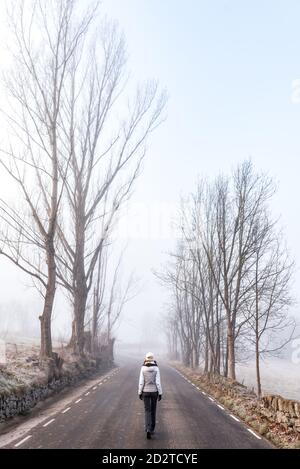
(230, 68)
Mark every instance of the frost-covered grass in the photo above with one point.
(18, 372)
(278, 376)
(21, 369)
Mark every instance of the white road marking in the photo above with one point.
(99, 384)
(94, 389)
(23, 441)
(87, 393)
(26, 428)
(221, 407)
(251, 431)
(78, 400)
(48, 423)
(66, 410)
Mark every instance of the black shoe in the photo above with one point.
(148, 436)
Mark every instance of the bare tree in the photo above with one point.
(230, 276)
(172, 334)
(78, 142)
(181, 277)
(268, 306)
(106, 152)
(98, 316)
(236, 216)
(46, 41)
(119, 296)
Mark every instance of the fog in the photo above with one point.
(231, 82)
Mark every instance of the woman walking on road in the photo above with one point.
(149, 391)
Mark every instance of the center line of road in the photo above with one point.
(234, 417)
(87, 393)
(48, 423)
(256, 436)
(94, 389)
(78, 400)
(66, 410)
(23, 441)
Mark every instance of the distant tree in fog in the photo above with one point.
(268, 307)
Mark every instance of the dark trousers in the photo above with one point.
(150, 400)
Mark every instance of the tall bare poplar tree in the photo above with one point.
(46, 38)
(105, 134)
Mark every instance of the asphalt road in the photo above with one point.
(108, 414)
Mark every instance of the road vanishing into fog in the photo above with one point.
(106, 413)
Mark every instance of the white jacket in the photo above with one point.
(149, 380)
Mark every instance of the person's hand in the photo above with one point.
(141, 396)
(159, 397)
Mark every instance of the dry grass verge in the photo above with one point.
(278, 422)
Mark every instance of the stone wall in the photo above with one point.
(274, 417)
(280, 410)
(22, 402)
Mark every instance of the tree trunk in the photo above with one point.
(218, 352)
(231, 354)
(46, 340)
(196, 358)
(45, 318)
(258, 370)
(94, 321)
(79, 315)
(79, 280)
(72, 339)
(108, 325)
(257, 355)
(225, 360)
(206, 355)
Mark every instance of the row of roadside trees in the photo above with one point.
(230, 276)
